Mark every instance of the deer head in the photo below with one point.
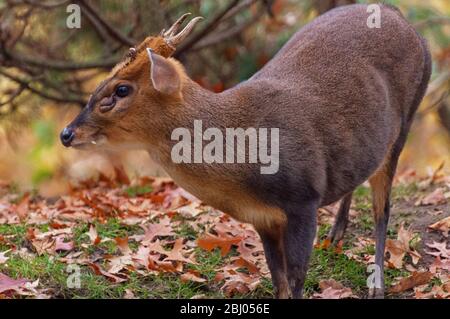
(133, 99)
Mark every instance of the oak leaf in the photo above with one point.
(442, 250)
(416, 279)
(332, 289)
(442, 225)
(210, 242)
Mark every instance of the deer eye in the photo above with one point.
(122, 90)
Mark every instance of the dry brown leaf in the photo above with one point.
(332, 289)
(190, 210)
(176, 254)
(118, 263)
(443, 225)
(129, 294)
(190, 276)
(22, 208)
(439, 263)
(93, 235)
(3, 258)
(437, 197)
(437, 292)
(416, 279)
(9, 284)
(112, 277)
(442, 250)
(122, 243)
(62, 245)
(237, 282)
(161, 229)
(209, 242)
(400, 247)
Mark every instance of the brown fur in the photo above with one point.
(343, 96)
(379, 182)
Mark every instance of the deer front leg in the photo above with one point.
(298, 242)
(276, 260)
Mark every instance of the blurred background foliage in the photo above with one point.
(47, 72)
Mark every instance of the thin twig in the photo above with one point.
(14, 95)
(230, 33)
(107, 62)
(211, 26)
(41, 93)
(39, 3)
(117, 35)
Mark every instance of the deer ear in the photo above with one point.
(163, 74)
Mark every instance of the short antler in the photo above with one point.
(175, 27)
(166, 43)
(173, 38)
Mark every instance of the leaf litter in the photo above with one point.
(158, 244)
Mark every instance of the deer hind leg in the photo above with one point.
(276, 260)
(381, 184)
(340, 224)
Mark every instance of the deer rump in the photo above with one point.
(343, 95)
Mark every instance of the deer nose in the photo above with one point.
(67, 136)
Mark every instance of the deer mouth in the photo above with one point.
(96, 139)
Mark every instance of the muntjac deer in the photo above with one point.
(342, 96)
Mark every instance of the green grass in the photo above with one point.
(365, 222)
(362, 199)
(52, 274)
(15, 234)
(208, 262)
(186, 231)
(137, 190)
(404, 190)
(326, 264)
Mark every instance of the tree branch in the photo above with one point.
(215, 21)
(13, 95)
(227, 34)
(117, 35)
(107, 62)
(45, 95)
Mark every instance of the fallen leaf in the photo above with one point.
(416, 279)
(93, 235)
(176, 254)
(23, 206)
(153, 230)
(436, 292)
(210, 242)
(8, 284)
(189, 276)
(332, 289)
(62, 245)
(3, 257)
(122, 243)
(118, 263)
(437, 197)
(236, 282)
(443, 225)
(112, 277)
(400, 247)
(129, 294)
(191, 210)
(439, 263)
(441, 248)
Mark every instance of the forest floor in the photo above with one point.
(151, 239)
